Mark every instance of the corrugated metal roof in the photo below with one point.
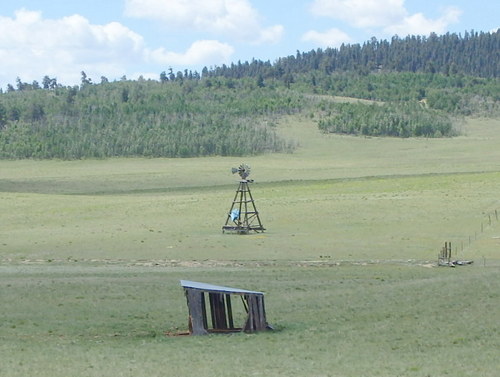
(216, 288)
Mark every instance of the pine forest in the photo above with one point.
(405, 87)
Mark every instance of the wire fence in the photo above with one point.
(445, 256)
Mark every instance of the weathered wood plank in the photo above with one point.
(196, 313)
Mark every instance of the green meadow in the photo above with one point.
(92, 251)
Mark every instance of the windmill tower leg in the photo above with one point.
(253, 219)
(243, 216)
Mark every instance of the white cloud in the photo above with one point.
(32, 47)
(207, 52)
(361, 13)
(390, 16)
(330, 38)
(233, 18)
(418, 24)
(270, 35)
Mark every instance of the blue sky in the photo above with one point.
(112, 38)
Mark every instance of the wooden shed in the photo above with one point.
(220, 305)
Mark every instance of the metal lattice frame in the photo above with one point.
(247, 218)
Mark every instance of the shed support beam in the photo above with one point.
(197, 312)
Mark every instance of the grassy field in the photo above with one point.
(91, 253)
(347, 320)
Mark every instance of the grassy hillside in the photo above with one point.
(382, 189)
(220, 116)
(91, 253)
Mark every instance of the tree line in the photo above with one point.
(143, 118)
(233, 110)
(474, 54)
(471, 54)
(405, 119)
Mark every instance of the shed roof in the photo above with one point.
(216, 288)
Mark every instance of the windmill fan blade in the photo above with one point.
(244, 171)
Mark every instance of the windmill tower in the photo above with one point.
(243, 216)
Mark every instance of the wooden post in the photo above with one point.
(196, 312)
(249, 327)
(262, 313)
(204, 310)
(229, 311)
(212, 309)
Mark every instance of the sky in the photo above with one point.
(134, 38)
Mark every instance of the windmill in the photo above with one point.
(243, 216)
